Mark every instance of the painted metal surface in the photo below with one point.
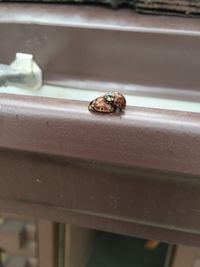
(135, 174)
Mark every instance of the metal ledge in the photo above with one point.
(134, 99)
(134, 174)
(96, 44)
(137, 173)
(93, 17)
(147, 138)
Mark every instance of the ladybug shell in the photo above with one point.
(116, 99)
(100, 105)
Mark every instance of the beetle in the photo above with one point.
(100, 105)
(116, 99)
(108, 103)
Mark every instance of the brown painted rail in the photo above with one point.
(136, 174)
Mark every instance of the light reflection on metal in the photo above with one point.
(23, 72)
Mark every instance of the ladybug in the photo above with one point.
(100, 105)
(108, 103)
(116, 99)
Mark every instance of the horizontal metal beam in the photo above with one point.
(141, 137)
(98, 44)
(135, 173)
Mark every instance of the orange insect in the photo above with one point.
(116, 99)
(108, 103)
(100, 105)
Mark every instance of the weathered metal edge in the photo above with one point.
(146, 138)
(96, 44)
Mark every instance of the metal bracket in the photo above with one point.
(23, 72)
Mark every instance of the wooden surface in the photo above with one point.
(79, 244)
(168, 7)
(47, 243)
